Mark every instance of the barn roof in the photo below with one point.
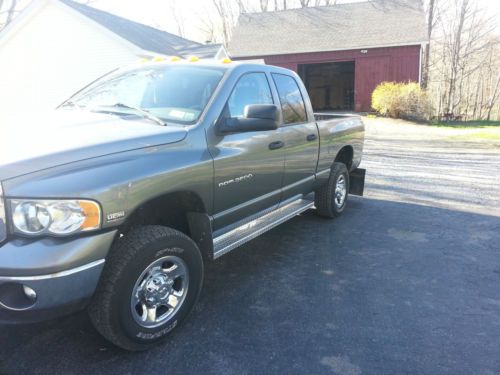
(145, 37)
(376, 23)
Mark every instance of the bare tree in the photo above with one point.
(493, 98)
(430, 26)
(242, 6)
(466, 40)
(9, 12)
(220, 6)
(455, 52)
(264, 4)
(325, 2)
(178, 17)
(464, 61)
(493, 71)
(228, 12)
(209, 27)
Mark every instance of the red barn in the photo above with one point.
(342, 51)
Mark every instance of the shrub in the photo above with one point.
(385, 97)
(401, 100)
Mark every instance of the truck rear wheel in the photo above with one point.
(151, 281)
(331, 198)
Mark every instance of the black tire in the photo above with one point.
(110, 309)
(324, 198)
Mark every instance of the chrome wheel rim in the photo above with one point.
(160, 291)
(340, 191)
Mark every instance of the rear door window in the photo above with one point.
(292, 102)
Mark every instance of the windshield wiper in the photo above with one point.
(141, 111)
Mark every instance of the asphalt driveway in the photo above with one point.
(406, 282)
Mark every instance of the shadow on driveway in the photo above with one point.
(388, 288)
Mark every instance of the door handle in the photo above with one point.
(275, 145)
(311, 137)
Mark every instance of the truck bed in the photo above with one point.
(337, 131)
(320, 116)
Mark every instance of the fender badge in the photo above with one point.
(236, 180)
(115, 216)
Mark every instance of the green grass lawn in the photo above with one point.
(466, 124)
(483, 133)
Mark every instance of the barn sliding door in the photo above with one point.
(370, 71)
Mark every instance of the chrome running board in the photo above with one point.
(254, 228)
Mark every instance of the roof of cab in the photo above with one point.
(225, 65)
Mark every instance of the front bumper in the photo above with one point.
(60, 276)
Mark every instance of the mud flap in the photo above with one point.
(200, 227)
(357, 182)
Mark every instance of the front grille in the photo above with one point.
(3, 224)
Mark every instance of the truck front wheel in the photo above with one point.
(331, 198)
(151, 281)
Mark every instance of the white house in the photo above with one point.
(55, 47)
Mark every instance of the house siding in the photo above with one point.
(399, 64)
(54, 54)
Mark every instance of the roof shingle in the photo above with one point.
(145, 37)
(376, 23)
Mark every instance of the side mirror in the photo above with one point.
(256, 117)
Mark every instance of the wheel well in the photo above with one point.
(345, 156)
(168, 210)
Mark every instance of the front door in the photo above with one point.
(248, 166)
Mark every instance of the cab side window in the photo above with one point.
(292, 102)
(252, 88)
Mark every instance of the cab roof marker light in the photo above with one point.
(226, 60)
(175, 58)
(144, 60)
(194, 59)
(158, 59)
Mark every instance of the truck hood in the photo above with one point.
(69, 135)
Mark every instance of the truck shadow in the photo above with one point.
(391, 282)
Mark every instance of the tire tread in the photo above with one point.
(323, 197)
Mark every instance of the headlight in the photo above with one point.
(57, 217)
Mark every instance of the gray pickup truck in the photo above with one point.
(114, 202)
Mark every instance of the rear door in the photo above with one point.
(248, 168)
(300, 136)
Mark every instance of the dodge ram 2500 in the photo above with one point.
(116, 200)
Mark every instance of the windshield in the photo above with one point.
(170, 93)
